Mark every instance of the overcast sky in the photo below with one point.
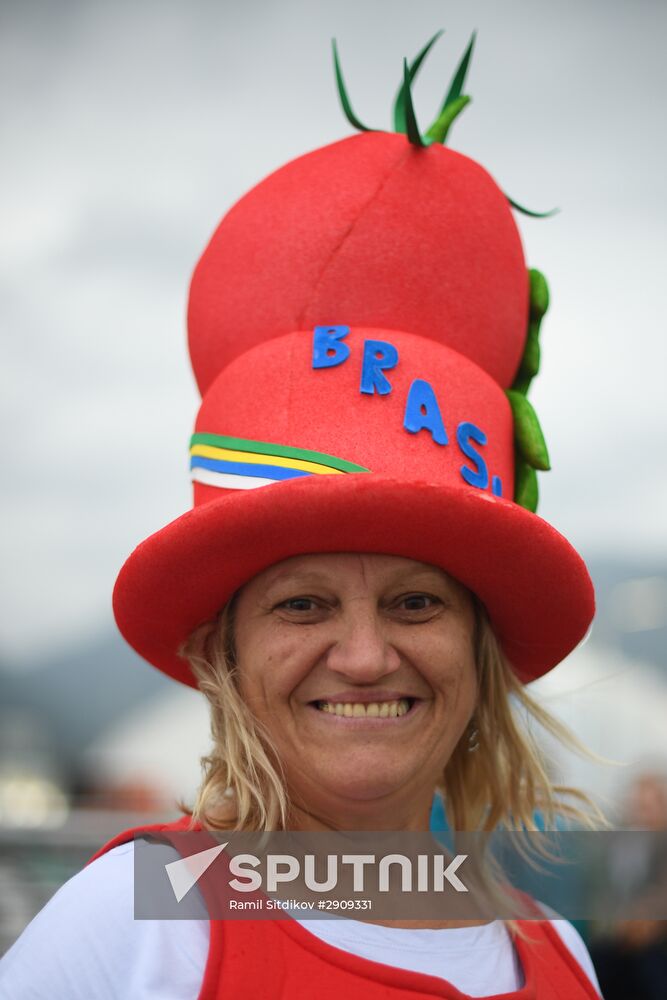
(130, 128)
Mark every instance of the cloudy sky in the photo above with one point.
(129, 129)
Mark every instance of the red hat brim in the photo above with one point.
(535, 586)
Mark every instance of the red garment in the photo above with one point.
(280, 960)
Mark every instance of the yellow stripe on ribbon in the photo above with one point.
(229, 455)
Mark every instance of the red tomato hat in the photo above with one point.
(391, 230)
(356, 440)
(374, 229)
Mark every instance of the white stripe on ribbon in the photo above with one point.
(227, 480)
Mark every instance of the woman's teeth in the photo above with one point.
(361, 710)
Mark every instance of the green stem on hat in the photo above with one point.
(527, 431)
(342, 93)
(530, 362)
(531, 354)
(526, 490)
(405, 120)
(539, 293)
(441, 126)
(459, 78)
(539, 303)
(530, 451)
(527, 211)
(413, 69)
(411, 126)
(452, 105)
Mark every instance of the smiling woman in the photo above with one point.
(362, 589)
(346, 688)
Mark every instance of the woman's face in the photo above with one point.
(361, 669)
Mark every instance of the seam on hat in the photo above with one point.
(348, 232)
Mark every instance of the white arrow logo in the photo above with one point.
(186, 871)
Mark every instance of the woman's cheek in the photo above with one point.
(272, 677)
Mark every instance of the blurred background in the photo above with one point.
(129, 129)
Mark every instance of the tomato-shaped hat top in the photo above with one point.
(388, 230)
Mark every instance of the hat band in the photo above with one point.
(240, 464)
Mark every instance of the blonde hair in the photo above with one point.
(503, 784)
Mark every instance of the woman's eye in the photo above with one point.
(299, 604)
(417, 602)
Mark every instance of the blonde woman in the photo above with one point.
(351, 632)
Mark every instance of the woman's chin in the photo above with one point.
(365, 783)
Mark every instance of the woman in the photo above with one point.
(395, 593)
(362, 583)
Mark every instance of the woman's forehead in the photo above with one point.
(343, 567)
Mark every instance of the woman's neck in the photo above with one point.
(407, 809)
(358, 819)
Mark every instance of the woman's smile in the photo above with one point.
(378, 707)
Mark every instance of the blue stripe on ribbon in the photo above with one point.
(246, 468)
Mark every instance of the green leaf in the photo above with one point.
(411, 126)
(530, 361)
(531, 352)
(443, 122)
(526, 492)
(459, 78)
(342, 93)
(522, 381)
(527, 211)
(539, 293)
(527, 431)
(413, 69)
(441, 126)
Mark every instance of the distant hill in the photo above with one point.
(75, 696)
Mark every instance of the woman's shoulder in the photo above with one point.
(86, 942)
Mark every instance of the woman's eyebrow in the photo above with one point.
(447, 588)
(296, 579)
(411, 578)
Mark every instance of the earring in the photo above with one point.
(473, 738)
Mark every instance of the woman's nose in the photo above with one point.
(362, 651)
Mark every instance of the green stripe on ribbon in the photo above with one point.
(265, 448)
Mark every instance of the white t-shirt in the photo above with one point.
(86, 945)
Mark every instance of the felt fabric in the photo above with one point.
(416, 501)
(373, 229)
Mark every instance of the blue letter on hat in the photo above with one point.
(423, 413)
(378, 354)
(464, 435)
(328, 351)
